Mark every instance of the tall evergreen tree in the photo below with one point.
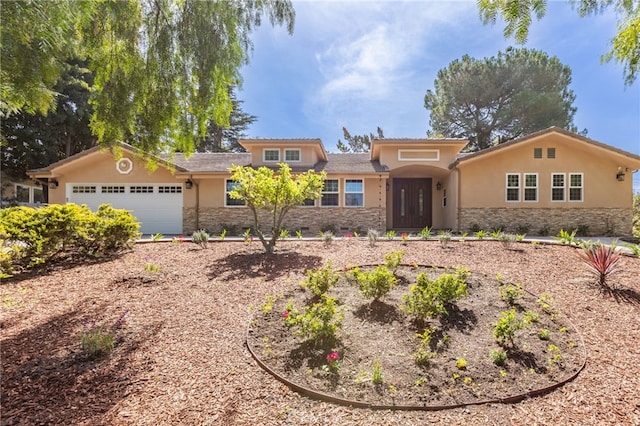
(494, 100)
(358, 143)
(225, 138)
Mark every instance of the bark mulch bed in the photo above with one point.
(183, 359)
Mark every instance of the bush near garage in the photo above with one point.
(30, 237)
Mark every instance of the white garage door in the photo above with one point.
(158, 207)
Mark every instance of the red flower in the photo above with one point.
(333, 357)
(285, 314)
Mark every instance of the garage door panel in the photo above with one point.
(158, 207)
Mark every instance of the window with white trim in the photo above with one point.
(354, 193)
(309, 202)
(292, 155)
(575, 187)
(330, 193)
(271, 155)
(530, 187)
(513, 186)
(557, 186)
(228, 201)
(29, 194)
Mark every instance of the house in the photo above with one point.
(20, 191)
(542, 182)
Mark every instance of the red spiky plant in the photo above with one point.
(602, 261)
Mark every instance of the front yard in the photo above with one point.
(183, 359)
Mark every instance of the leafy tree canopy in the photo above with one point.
(275, 193)
(358, 143)
(496, 99)
(625, 46)
(162, 68)
(36, 140)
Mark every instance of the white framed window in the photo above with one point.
(576, 186)
(228, 201)
(418, 155)
(530, 187)
(513, 187)
(29, 194)
(354, 193)
(270, 155)
(330, 193)
(557, 186)
(292, 155)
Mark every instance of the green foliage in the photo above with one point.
(429, 297)
(55, 231)
(444, 237)
(498, 356)
(636, 215)
(390, 234)
(156, 237)
(357, 143)
(635, 249)
(625, 45)
(376, 375)
(543, 334)
(481, 235)
(151, 268)
(393, 259)
(507, 239)
(511, 293)
(373, 236)
(320, 281)
(201, 238)
(267, 306)
(162, 68)
(319, 322)
(327, 238)
(566, 237)
(601, 261)
(424, 354)
(497, 99)
(377, 283)
(425, 233)
(276, 194)
(461, 363)
(98, 340)
(506, 327)
(530, 317)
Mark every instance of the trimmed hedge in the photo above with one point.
(35, 236)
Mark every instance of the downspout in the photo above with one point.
(459, 185)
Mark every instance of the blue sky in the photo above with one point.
(363, 64)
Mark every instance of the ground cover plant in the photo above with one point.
(182, 357)
(431, 336)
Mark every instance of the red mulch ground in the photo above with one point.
(183, 359)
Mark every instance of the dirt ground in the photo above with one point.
(183, 358)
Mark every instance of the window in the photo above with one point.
(557, 187)
(22, 193)
(330, 191)
(551, 153)
(354, 193)
(309, 202)
(228, 201)
(113, 189)
(537, 152)
(83, 189)
(170, 189)
(38, 195)
(530, 187)
(575, 186)
(141, 189)
(513, 187)
(292, 155)
(444, 198)
(271, 155)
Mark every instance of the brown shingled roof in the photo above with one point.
(210, 161)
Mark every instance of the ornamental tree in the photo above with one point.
(275, 193)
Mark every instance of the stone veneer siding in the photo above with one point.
(599, 221)
(312, 219)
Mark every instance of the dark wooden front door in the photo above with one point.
(411, 203)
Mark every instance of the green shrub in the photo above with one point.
(498, 356)
(373, 236)
(425, 233)
(429, 297)
(393, 259)
(444, 237)
(54, 231)
(318, 322)
(424, 354)
(506, 327)
(98, 340)
(201, 238)
(320, 281)
(377, 283)
(511, 293)
(565, 237)
(601, 261)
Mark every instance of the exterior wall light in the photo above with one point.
(53, 184)
(620, 174)
(188, 184)
(438, 186)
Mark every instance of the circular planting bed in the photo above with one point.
(381, 355)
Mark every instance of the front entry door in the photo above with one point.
(411, 203)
